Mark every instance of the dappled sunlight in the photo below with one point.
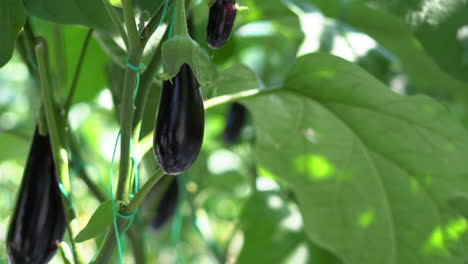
(317, 167)
(435, 243)
(414, 185)
(266, 184)
(222, 161)
(326, 74)
(443, 236)
(456, 229)
(366, 218)
(299, 255)
(433, 12)
(256, 29)
(293, 222)
(275, 202)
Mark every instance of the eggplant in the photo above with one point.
(235, 121)
(180, 123)
(167, 205)
(220, 22)
(38, 222)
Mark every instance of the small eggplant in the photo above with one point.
(38, 223)
(220, 22)
(235, 121)
(167, 205)
(180, 123)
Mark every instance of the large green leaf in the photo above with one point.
(273, 233)
(391, 32)
(372, 170)
(91, 13)
(12, 18)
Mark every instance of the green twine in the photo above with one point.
(67, 197)
(116, 214)
(135, 177)
(171, 27)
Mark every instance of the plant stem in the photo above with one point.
(127, 108)
(59, 152)
(154, 22)
(107, 246)
(116, 21)
(145, 85)
(180, 27)
(137, 245)
(78, 68)
(142, 193)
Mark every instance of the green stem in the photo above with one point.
(116, 21)
(107, 246)
(78, 68)
(164, 183)
(127, 108)
(22, 49)
(142, 193)
(143, 92)
(154, 22)
(137, 245)
(30, 39)
(180, 27)
(60, 155)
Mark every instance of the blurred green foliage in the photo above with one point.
(238, 198)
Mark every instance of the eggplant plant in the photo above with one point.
(293, 131)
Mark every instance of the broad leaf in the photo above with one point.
(392, 33)
(91, 13)
(273, 233)
(98, 224)
(235, 79)
(372, 170)
(12, 18)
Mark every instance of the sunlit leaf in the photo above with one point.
(371, 169)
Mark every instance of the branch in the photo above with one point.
(59, 151)
(78, 68)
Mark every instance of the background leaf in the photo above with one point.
(392, 33)
(371, 169)
(91, 13)
(12, 19)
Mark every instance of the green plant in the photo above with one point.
(354, 151)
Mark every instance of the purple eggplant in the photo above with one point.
(235, 121)
(220, 22)
(180, 123)
(167, 205)
(38, 223)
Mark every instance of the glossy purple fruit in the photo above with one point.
(38, 223)
(167, 205)
(220, 22)
(180, 123)
(235, 121)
